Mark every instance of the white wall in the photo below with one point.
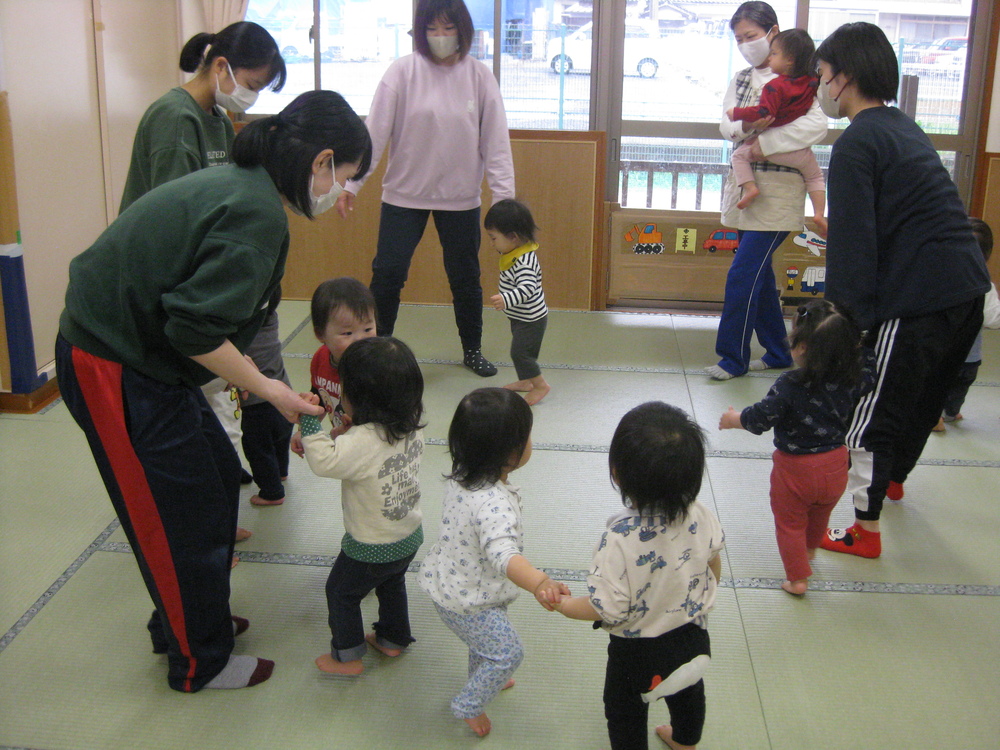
(50, 71)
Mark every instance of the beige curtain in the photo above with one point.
(220, 13)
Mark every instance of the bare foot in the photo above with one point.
(371, 638)
(536, 394)
(939, 427)
(509, 685)
(521, 386)
(666, 733)
(481, 724)
(796, 588)
(258, 500)
(242, 534)
(327, 663)
(750, 191)
(234, 562)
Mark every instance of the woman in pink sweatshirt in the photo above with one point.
(440, 113)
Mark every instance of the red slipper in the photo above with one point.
(853, 541)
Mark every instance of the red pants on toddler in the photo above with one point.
(804, 490)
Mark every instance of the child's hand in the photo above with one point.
(730, 420)
(497, 301)
(730, 112)
(296, 445)
(762, 124)
(549, 593)
(340, 429)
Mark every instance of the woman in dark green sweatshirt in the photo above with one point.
(167, 298)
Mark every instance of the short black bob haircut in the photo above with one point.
(798, 45)
(863, 54)
(382, 382)
(657, 460)
(245, 45)
(759, 13)
(286, 144)
(333, 294)
(511, 217)
(449, 11)
(984, 236)
(488, 434)
(833, 344)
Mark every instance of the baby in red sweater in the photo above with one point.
(785, 98)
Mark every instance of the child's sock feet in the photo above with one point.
(242, 534)
(666, 733)
(373, 642)
(241, 672)
(853, 541)
(796, 588)
(481, 724)
(717, 373)
(327, 663)
(894, 491)
(258, 500)
(476, 362)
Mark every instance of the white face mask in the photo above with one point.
(443, 46)
(240, 100)
(756, 52)
(830, 106)
(324, 203)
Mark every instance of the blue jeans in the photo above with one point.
(399, 232)
(349, 582)
(752, 305)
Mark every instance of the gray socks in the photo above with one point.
(242, 671)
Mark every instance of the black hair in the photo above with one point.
(756, 12)
(511, 217)
(244, 44)
(489, 431)
(382, 382)
(861, 51)
(984, 236)
(657, 460)
(286, 144)
(833, 344)
(450, 11)
(333, 294)
(798, 45)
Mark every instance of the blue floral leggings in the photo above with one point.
(495, 652)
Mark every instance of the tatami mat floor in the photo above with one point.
(895, 653)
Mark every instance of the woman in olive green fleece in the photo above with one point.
(187, 129)
(169, 294)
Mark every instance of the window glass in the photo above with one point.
(929, 48)
(545, 61)
(679, 59)
(357, 41)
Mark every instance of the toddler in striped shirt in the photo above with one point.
(511, 229)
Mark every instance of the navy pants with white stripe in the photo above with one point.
(918, 360)
(752, 305)
(174, 480)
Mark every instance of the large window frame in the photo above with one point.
(606, 91)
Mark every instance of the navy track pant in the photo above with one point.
(174, 479)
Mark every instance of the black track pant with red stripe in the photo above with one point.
(918, 360)
(174, 479)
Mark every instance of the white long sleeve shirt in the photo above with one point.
(466, 569)
(446, 128)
